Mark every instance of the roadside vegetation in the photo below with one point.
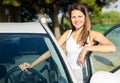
(105, 21)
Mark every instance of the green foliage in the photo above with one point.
(12, 2)
(110, 17)
(66, 22)
(105, 21)
(95, 20)
(92, 6)
(91, 3)
(48, 1)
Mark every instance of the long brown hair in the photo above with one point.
(82, 38)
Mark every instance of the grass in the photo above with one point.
(102, 28)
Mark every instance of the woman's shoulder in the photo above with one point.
(67, 31)
(65, 34)
(94, 33)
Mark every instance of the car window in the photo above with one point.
(107, 61)
(18, 48)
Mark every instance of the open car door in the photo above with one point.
(109, 62)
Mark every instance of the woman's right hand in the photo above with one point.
(24, 66)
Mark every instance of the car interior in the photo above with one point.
(16, 49)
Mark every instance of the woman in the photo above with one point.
(79, 40)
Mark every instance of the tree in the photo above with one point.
(95, 7)
(52, 8)
(7, 13)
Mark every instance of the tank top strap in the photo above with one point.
(69, 34)
(88, 41)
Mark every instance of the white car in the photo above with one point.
(25, 42)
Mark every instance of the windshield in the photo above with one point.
(18, 48)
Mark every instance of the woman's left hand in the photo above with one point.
(81, 60)
(82, 55)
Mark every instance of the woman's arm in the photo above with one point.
(26, 65)
(43, 57)
(104, 45)
(46, 55)
(63, 38)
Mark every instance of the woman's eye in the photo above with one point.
(73, 17)
(79, 16)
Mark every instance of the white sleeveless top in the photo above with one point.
(73, 50)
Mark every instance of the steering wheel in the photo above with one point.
(16, 75)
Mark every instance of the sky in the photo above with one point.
(113, 6)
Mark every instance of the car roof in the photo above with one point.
(23, 27)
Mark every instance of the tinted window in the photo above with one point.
(16, 49)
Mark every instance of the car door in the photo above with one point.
(105, 61)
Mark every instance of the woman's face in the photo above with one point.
(77, 18)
